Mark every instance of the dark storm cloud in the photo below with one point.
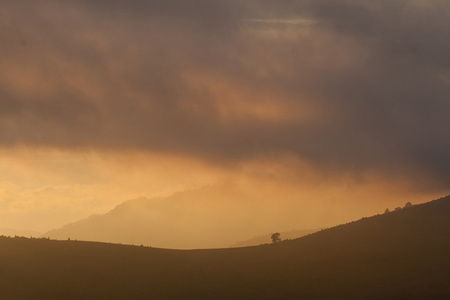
(204, 78)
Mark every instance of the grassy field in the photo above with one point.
(399, 255)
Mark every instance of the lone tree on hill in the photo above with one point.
(408, 204)
(276, 237)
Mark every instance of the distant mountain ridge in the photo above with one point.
(202, 218)
(209, 217)
(398, 255)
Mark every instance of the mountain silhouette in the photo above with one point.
(209, 217)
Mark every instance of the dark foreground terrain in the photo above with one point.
(399, 255)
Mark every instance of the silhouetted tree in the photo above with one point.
(276, 237)
(398, 208)
(386, 211)
(408, 204)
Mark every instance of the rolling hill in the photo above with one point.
(398, 255)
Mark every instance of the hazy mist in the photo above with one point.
(293, 114)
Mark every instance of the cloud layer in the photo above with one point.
(346, 86)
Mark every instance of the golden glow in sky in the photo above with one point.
(304, 115)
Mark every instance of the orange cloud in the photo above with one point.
(305, 100)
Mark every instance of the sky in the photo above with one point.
(327, 109)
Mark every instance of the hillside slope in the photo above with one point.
(266, 239)
(399, 255)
